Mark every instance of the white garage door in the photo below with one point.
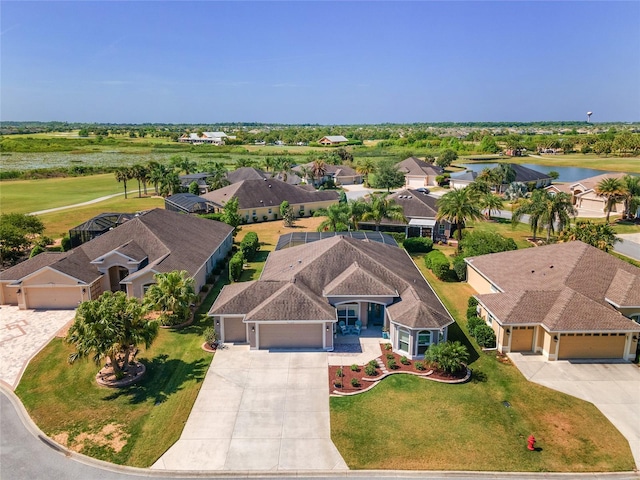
(51, 298)
(290, 336)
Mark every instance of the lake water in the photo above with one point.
(567, 174)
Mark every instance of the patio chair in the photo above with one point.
(358, 327)
(343, 327)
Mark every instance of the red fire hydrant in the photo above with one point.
(531, 443)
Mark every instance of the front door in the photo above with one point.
(375, 314)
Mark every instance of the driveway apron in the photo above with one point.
(259, 410)
(613, 387)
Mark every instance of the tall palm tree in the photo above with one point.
(183, 164)
(546, 209)
(491, 176)
(123, 174)
(612, 190)
(456, 207)
(305, 173)
(491, 203)
(268, 163)
(381, 208)
(157, 172)
(172, 295)
(139, 173)
(357, 209)
(366, 167)
(283, 165)
(505, 173)
(319, 170)
(631, 195)
(337, 218)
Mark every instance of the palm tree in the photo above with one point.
(268, 163)
(123, 174)
(505, 174)
(283, 165)
(183, 164)
(366, 167)
(490, 176)
(170, 184)
(111, 327)
(612, 190)
(139, 172)
(458, 206)
(357, 209)
(381, 208)
(157, 172)
(491, 203)
(337, 218)
(546, 209)
(172, 295)
(319, 170)
(305, 173)
(631, 195)
(599, 235)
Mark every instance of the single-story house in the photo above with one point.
(463, 180)
(333, 140)
(199, 178)
(125, 258)
(418, 173)
(96, 226)
(420, 210)
(305, 290)
(251, 173)
(528, 175)
(213, 138)
(565, 301)
(259, 200)
(583, 193)
(340, 174)
(189, 203)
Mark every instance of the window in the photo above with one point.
(145, 288)
(270, 212)
(424, 340)
(403, 340)
(348, 313)
(441, 229)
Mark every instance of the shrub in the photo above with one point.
(354, 382)
(392, 364)
(485, 336)
(460, 267)
(435, 259)
(65, 243)
(472, 302)
(204, 289)
(250, 245)
(399, 237)
(373, 363)
(419, 366)
(472, 312)
(210, 336)
(264, 218)
(337, 383)
(440, 267)
(370, 370)
(477, 242)
(418, 245)
(339, 373)
(473, 323)
(390, 356)
(235, 266)
(354, 368)
(448, 355)
(404, 360)
(387, 346)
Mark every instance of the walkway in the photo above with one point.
(66, 207)
(259, 410)
(23, 333)
(613, 387)
(356, 349)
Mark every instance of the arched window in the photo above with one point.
(424, 340)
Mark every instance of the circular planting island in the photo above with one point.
(107, 378)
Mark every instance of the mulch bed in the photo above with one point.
(107, 378)
(359, 374)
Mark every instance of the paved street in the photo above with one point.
(23, 333)
(629, 246)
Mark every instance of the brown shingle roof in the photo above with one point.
(32, 265)
(292, 302)
(267, 193)
(416, 167)
(355, 280)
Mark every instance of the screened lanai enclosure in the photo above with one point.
(96, 226)
(300, 238)
(189, 203)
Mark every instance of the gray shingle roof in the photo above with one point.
(267, 193)
(416, 167)
(525, 174)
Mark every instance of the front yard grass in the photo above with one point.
(131, 426)
(410, 423)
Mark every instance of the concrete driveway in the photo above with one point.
(23, 333)
(613, 387)
(259, 410)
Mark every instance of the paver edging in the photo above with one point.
(141, 370)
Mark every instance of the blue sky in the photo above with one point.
(319, 62)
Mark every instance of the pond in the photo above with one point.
(567, 174)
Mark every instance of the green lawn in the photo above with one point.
(67, 404)
(410, 423)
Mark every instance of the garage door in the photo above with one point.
(290, 336)
(591, 346)
(415, 182)
(51, 298)
(521, 339)
(235, 330)
(592, 204)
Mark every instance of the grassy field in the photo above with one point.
(589, 160)
(133, 425)
(409, 423)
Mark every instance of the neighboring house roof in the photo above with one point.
(415, 167)
(267, 193)
(335, 138)
(414, 205)
(468, 176)
(524, 174)
(592, 182)
(188, 203)
(251, 173)
(167, 240)
(331, 170)
(289, 240)
(199, 178)
(566, 287)
(295, 282)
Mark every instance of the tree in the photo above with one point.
(488, 145)
(194, 189)
(388, 176)
(318, 170)
(365, 168)
(337, 218)
(546, 209)
(287, 214)
(171, 295)
(183, 164)
(457, 207)
(478, 242)
(446, 158)
(140, 173)
(381, 207)
(515, 191)
(357, 209)
(157, 172)
(123, 174)
(602, 147)
(18, 232)
(170, 184)
(283, 165)
(631, 195)
(230, 214)
(111, 327)
(612, 190)
(491, 203)
(600, 235)
(505, 173)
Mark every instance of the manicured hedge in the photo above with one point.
(418, 245)
(438, 263)
(235, 266)
(250, 245)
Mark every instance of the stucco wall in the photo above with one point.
(248, 213)
(476, 281)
